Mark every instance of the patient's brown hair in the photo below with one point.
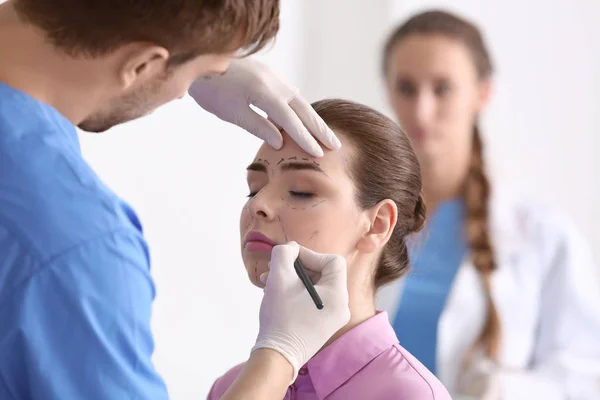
(383, 166)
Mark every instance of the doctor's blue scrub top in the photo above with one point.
(435, 255)
(75, 285)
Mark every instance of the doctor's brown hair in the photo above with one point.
(186, 28)
(383, 166)
(476, 189)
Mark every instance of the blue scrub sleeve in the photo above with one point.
(81, 326)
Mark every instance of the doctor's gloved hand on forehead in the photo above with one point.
(250, 82)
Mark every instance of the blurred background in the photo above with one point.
(183, 170)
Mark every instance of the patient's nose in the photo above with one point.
(261, 206)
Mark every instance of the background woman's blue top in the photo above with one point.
(435, 255)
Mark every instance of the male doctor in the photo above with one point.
(75, 284)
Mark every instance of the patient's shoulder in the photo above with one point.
(394, 374)
(222, 384)
(412, 380)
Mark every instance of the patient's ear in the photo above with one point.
(382, 217)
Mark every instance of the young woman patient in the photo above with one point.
(360, 202)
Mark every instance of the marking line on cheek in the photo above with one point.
(319, 203)
(312, 235)
(282, 230)
(285, 202)
(293, 208)
(280, 161)
(247, 207)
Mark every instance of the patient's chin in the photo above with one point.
(255, 269)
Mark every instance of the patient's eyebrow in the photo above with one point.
(255, 166)
(288, 166)
(300, 166)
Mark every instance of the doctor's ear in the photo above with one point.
(141, 62)
(382, 218)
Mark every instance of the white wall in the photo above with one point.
(183, 170)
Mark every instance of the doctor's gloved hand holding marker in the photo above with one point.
(280, 328)
(76, 291)
(288, 316)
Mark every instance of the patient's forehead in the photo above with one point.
(334, 161)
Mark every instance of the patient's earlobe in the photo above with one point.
(382, 219)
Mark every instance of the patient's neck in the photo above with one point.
(362, 307)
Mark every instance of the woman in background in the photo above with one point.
(501, 301)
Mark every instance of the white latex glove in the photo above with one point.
(248, 81)
(290, 323)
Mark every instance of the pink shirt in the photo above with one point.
(367, 362)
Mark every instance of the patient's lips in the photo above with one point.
(256, 241)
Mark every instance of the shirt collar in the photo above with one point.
(343, 358)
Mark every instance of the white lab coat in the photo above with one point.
(548, 299)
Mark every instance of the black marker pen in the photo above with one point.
(299, 267)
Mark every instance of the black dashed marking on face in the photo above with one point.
(292, 207)
(321, 202)
(248, 209)
(280, 161)
(282, 230)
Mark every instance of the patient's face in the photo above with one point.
(295, 197)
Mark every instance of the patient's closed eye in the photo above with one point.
(302, 195)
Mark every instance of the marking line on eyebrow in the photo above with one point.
(257, 166)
